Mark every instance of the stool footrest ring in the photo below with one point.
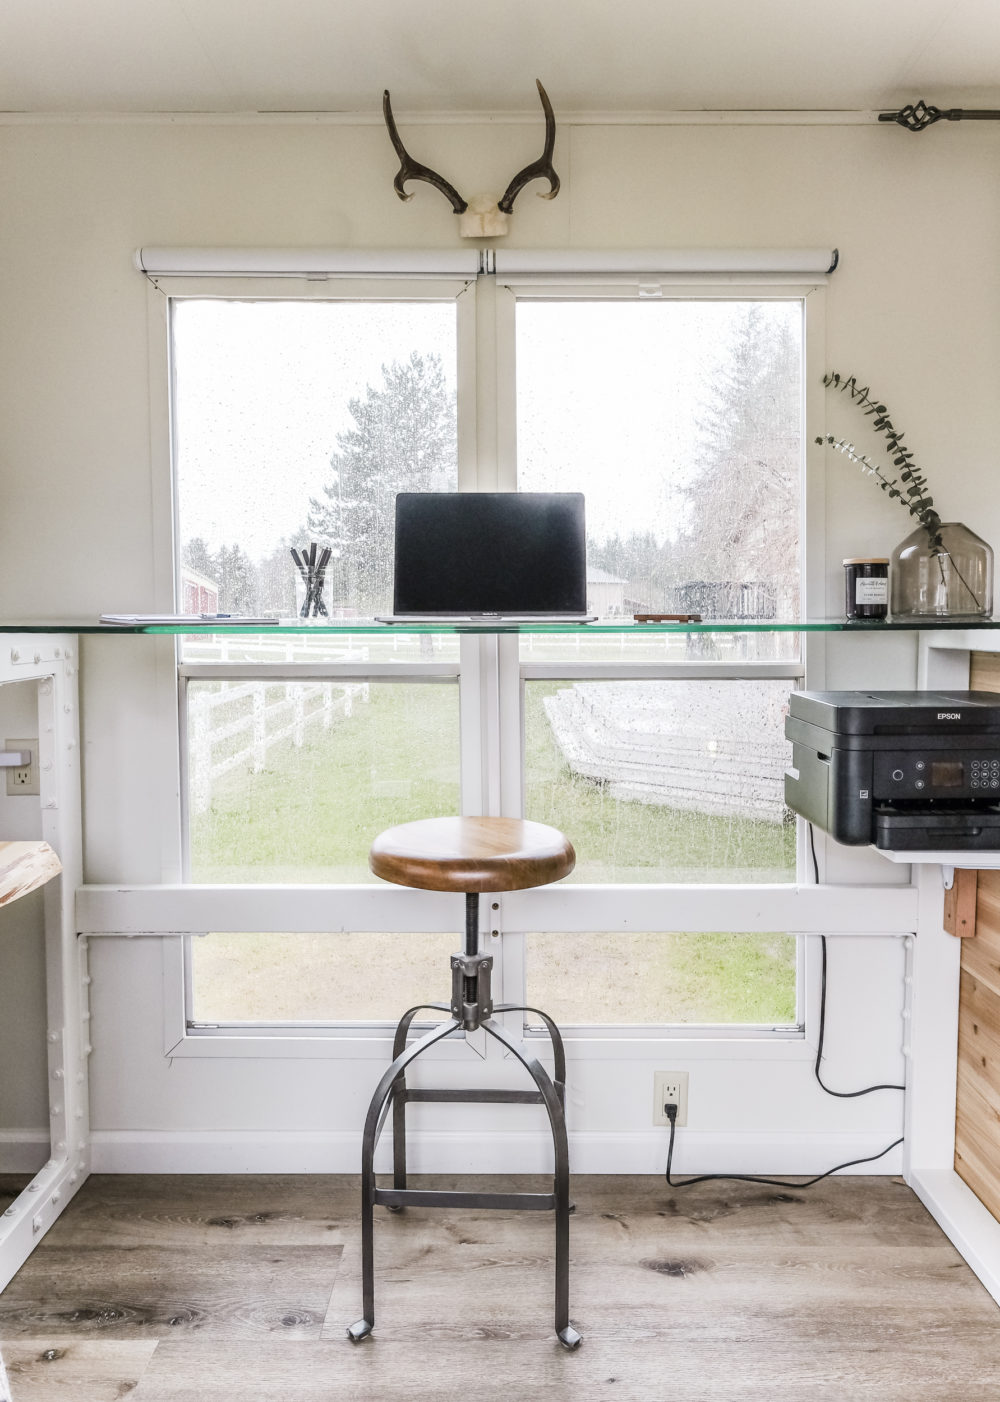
(508, 1202)
(480, 1097)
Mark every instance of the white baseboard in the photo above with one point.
(967, 1223)
(223, 1151)
(23, 1150)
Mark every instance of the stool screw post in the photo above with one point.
(471, 941)
(472, 922)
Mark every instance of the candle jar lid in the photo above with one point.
(867, 560)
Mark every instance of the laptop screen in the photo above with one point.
(490, 552)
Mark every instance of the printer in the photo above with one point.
(904, 770)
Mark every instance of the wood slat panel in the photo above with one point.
(977, 1133)
(981, 1039)
(981, 1128)
(977, 1128)
(975, 1164)
(984, 671)
(981, 955)
(971, 1082)
(977, 1124)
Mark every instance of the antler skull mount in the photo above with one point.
(482, 216)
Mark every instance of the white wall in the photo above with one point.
(913, 308)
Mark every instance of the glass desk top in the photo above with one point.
(353, 627)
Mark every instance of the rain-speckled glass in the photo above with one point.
(318, 978)
(660, 979)
(295, 425)
(676, 781)
(681, 421)
(291, 780)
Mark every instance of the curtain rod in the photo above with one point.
(918, 116)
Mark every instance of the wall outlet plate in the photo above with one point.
(670, 1086)
(24, 780)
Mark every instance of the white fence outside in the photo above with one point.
(273, 646)
(266, 713)
(714, 747)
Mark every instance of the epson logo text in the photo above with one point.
(949, 715)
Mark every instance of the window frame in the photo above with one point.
(491, 676)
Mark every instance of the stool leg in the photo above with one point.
(398, 1101)
(568, 1336)
(361, 1328)
(555, 1037)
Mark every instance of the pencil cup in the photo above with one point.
(318, 610)
(312, 588)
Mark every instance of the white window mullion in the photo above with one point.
(471, 382)
(505, 307)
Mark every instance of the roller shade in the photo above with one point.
(469, 262)
(307, 262)
(512, 262)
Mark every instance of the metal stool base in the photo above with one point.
(393, 1093)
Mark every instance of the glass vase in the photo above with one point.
(955, 582)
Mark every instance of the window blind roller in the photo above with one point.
(308, 262)
(468, 262)
(512, 262)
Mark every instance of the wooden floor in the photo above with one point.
(239, 1289)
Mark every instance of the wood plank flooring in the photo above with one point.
(218, 1289)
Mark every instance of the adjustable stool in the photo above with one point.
(468, 855)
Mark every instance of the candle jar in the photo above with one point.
(866, 587)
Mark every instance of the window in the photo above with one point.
(661, 755)
(300, 421)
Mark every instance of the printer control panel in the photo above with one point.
(915, 774)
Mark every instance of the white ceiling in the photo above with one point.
(442, 56)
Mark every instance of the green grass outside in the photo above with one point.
(311, 813)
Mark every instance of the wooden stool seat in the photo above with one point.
(472, 854)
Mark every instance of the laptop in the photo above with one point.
(496, 557)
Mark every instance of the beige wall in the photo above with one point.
(914, 308)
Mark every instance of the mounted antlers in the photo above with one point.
(482, 217)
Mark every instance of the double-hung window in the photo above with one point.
(299, 410)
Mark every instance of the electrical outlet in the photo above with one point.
(670, 1087)
(23, 780)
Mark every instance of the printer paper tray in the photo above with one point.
(947, 827)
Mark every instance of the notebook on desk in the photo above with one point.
(492, 557)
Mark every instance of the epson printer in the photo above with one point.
(905, 770)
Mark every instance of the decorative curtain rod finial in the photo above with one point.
(918, 116)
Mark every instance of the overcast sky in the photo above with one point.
(609, 395)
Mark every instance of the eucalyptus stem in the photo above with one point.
(910, 487)
(912, 493)
(919, 507)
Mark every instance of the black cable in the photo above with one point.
(752, 1178)
(671, 1110)
(841, 1094)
